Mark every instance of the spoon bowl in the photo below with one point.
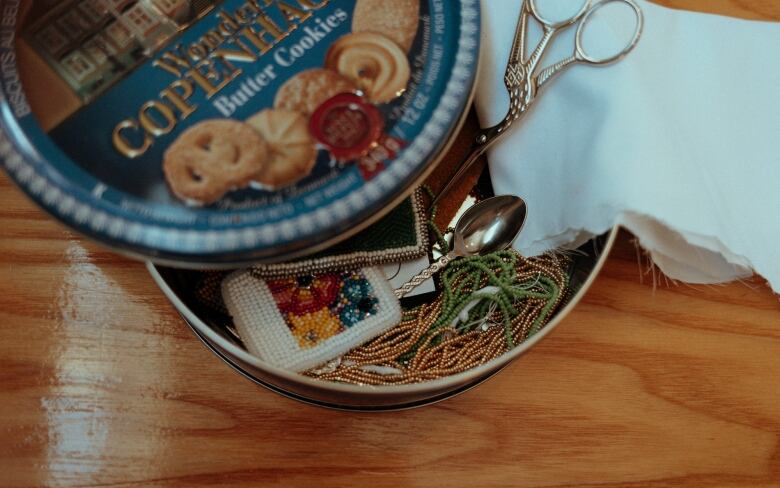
(489, 226)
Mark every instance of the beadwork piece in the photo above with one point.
(402, 235)
(300, 322)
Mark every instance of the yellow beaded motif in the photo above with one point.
(313, 328)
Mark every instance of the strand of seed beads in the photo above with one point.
(448, 351)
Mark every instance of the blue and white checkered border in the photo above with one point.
(179, 241)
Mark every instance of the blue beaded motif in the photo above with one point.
(356, 301)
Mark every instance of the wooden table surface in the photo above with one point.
(101, 384)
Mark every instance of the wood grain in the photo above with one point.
(102, 385)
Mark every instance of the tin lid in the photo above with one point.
(218, 133)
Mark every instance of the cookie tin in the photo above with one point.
(214, 133)
(225, 344)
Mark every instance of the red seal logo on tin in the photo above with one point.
(347, 126)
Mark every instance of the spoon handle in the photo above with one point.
(424, 275)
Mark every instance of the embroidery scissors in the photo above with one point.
(524, 79)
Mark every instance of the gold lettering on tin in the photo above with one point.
(123, 145)
(206, 65)
(179, 98)
(211, 79)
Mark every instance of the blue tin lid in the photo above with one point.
(225, 133)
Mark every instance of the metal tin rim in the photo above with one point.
(335, 406)
(465, 377)
(33, 177)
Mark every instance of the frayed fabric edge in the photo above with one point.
(706, 260)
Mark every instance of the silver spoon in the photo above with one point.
(489, 226)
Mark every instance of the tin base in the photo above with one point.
(177, 285)
(333, 406)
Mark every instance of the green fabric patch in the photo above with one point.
(399, 236)
(395, 230)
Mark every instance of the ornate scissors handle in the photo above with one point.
(518, 85)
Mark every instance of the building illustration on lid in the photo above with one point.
(178, 10)
(93, 43)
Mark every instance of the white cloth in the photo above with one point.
(679, 142)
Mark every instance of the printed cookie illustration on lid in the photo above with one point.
(226, 132)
